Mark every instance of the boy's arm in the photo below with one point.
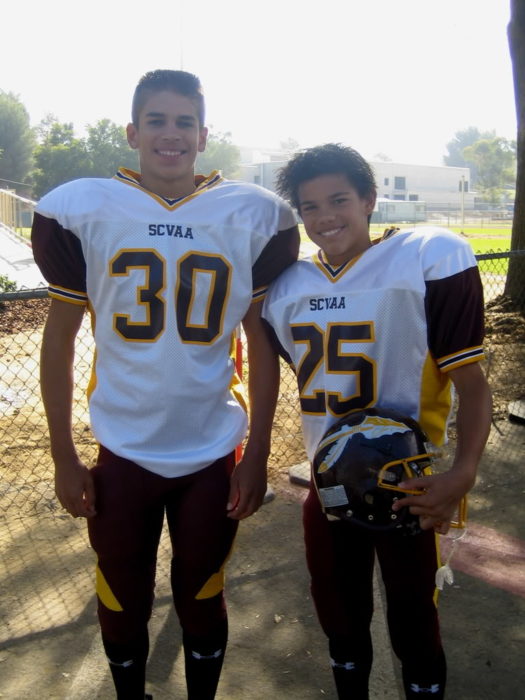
(438, 505)
(248, 481)
(73, 482)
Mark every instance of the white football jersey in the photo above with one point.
(167, 283)
(382, 330)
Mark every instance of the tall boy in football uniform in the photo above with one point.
(168, 265)
(395, 325)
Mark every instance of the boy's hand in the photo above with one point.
(247, 487)
(439, 502)
(75, 490)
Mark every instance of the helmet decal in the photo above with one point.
(372, 427)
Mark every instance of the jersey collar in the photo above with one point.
(202, 183)
(333, 273)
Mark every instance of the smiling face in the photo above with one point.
(168, 138)
(335, 217)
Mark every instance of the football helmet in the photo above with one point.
(361, 460)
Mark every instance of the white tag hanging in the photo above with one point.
(445, 574)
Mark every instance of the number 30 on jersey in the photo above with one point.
(150, 296)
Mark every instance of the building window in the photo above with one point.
(400, 183)
(386, 181)
(413, 197)
(465, 185)
(400, 197)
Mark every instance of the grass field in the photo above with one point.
(490, 245)
(482, 240)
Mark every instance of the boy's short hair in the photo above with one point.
(328, 159)
(178, 81)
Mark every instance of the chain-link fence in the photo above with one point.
(47, 606)
(26, 481)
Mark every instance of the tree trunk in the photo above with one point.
(515, 285)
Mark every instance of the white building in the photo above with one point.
(438, 186)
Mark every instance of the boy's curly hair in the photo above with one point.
(328, 159)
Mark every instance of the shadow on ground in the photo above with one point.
(50, 646)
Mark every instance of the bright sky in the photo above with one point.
(399, 78)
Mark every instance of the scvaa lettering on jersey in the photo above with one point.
(170, 230)
(322, 303)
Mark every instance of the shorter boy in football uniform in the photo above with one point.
(393, 324)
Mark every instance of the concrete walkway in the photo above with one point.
(16, 261)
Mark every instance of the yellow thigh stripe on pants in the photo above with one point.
(213, 586)
(105, 593)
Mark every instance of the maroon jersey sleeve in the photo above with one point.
(455, 318)
(281, 251)
(58, 253)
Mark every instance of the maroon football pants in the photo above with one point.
(340, 557)
(131, 503)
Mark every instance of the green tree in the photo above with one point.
(462, 139)
(7, 285)
(43, 129)
(108, 149)
(515, 284)
(495, 162)
(60, 157)
(17, 139)
(220, 154)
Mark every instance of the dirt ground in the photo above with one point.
(51, 647)
(49, 643)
